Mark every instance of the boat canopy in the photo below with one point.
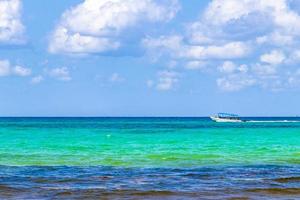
(227, 115)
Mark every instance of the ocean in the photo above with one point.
(149, 158)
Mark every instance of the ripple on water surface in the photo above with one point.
(237, 182)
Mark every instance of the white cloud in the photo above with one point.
(235, 82)
(294, 57)
(228, 67)
(195, 64)
(275, 38)
(60, 73)
(37, 79)
(166, 80)
(237, 77)
(221, 12)
(172, 43)
(4, 67)
(227, 51)
(274, 57)
(11, 27)
(115, 77)
(21, 71)
(254, 39)
(268, 21)
(243, 68)
(175, 46)
(95, 26)
(264, 69)
(81, 44)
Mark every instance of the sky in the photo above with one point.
(149, 57)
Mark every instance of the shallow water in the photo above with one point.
(255, 182)
(149, 158)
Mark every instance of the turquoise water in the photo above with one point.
(149, 158)
(146, 142)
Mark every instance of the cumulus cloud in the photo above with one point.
(277, 21)
(195, 64)
(11, 27)
(60, 73)
(21, 71)
(95, 26)
(175, 46)
(274, 57)
(235, 82)
(226, 51)
(37, 79)
(264, 70)
(116, 77)
(257, 40)
(166, 80)
(6, 69)
(228, 67)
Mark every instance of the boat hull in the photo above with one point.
(218, 119)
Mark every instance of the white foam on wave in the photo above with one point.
(273, 121)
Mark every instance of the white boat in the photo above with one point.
(225, 117)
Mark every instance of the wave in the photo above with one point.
(216, 182)
(274, 121)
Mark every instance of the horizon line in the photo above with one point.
(136, 116)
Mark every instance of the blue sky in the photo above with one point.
(149, 57)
